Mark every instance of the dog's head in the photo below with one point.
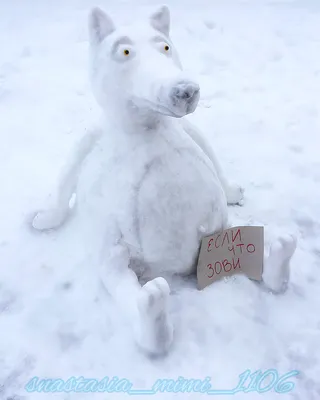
(138, 66)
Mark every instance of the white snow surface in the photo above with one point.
(258, 64)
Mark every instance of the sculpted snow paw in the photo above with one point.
(53, 218)
(154, 330)
(48, 219)
(235, 194)
(276, 273)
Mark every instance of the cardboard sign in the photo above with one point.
(236, 250)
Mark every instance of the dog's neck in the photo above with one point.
(132, 119)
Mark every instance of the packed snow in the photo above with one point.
(258, 65)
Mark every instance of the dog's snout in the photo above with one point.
(185, 91)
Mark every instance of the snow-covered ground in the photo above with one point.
(258, 64)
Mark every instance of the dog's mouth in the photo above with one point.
(168, 111)
(160, 108)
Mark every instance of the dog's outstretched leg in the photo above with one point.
(154, 331)
(146, 307)
(53, 218)
(233, 192)
(276, 271)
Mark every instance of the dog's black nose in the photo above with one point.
(184, 92)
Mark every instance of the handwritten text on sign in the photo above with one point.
(232, 251)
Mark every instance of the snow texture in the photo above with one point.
(258, 66)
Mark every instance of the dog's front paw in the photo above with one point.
(154, 331)
(49, 219)
(234, 194)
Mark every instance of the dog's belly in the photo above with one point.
(177, 194)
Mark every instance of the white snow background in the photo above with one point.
(258, 64)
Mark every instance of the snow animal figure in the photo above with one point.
(148, 177)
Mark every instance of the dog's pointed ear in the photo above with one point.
(160, 20)
(100, 25)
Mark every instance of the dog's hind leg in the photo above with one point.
(146, 307)
(276, 269)
(54, 217)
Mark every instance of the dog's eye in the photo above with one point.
(126, 52)
(166, 48)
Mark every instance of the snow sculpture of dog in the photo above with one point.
(148, 176)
